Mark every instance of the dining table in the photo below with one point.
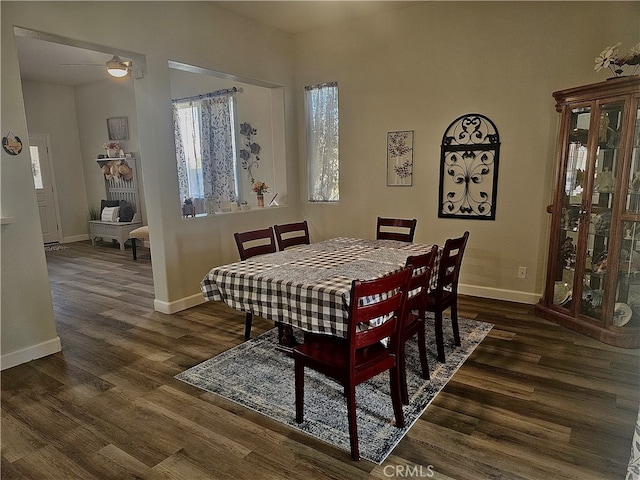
(308, 286)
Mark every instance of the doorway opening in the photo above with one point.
(69, 95)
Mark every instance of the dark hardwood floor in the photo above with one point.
(534, 401)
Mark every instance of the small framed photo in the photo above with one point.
(118, 128)
(400, 158)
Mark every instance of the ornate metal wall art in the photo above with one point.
(469, 157)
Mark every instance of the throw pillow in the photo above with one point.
(108, 203)
(126, 211)
(110, 214)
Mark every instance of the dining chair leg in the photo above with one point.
(396, 400)
(286, 336)
(299, 381)
(422, 350)
(350, 393)
(247, 325)
(439, 335)
(454, 323)
(402, 367)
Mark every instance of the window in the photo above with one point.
(35, 167)
(205, 135)
(322, 142)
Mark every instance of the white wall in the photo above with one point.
(27, 330)
(51, 110)
(75, 119)
(95, 102)
(422, 67)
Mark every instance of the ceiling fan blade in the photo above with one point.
(82, 64)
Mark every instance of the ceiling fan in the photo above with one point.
(116, 67)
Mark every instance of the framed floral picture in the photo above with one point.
(118, 128)
(400, 158)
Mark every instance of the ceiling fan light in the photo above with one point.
(116, 67)
(117, 72)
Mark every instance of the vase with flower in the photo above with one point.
(113, 149)
(260, 188)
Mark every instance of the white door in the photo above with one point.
(45, 187)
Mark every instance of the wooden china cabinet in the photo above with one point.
(593, 269)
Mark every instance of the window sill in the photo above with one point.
(230, 212)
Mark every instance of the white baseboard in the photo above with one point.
(33, 352)
(76, 238)
(483, 292)
(178, 305)
(499, 294)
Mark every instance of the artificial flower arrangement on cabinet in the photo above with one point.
(112, 149)
(626, 64)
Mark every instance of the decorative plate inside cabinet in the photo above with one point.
(622, 314)
(561, 293)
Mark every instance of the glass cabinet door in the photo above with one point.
(593, 170)
(606, 173)
(572, 195)
(627, 307)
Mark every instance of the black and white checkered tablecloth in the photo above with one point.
(308, 286)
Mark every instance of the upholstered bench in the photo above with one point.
(142, 233)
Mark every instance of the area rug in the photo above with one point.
(258, 376)
(53, 248)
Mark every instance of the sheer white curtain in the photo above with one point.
(206, 148)
(186, 123)
(322, 142)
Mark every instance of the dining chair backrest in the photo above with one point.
(450, 263)
(291, 234)
(255, 242)
(380, 298)
(396, 229)
(419, 282)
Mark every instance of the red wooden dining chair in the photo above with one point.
(250, 244)
(255, 242)
(291, 234)
(414, 314)
(445, 295)
(361, 355)
(396, 229)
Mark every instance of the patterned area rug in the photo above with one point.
(53, 248)
(258, 376)
(633, 472)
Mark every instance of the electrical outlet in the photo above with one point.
(522, 272)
